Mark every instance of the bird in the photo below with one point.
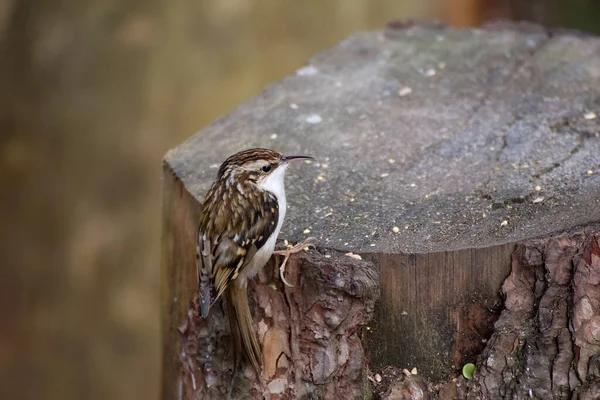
(240, 220)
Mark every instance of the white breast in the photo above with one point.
(274, 183)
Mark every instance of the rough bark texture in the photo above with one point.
(439, 151)
(546, 343)
(310, 334)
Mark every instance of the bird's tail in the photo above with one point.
(204, 269)
(242, 329)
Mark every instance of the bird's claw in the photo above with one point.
(282, 273)
(286, 255)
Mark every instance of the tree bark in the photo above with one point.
(546, 343)
(310, 334)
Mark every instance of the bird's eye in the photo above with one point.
(266, 168)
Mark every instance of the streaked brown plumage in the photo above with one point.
(240, 219)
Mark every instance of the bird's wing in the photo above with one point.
(224, 250)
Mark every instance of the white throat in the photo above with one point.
(274, 184)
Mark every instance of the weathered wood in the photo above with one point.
(439, 151)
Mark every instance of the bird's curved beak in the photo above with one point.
(286, 159)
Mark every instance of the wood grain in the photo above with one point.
(180, 216)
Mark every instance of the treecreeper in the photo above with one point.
(240, 220)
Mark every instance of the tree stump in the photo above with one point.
(443, 156)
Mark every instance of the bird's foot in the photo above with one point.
(288, 252)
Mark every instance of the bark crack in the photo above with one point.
(577, 148)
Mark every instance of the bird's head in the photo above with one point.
(263, 167)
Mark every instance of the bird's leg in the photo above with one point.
(288, 252)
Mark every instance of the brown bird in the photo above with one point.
(241, 217)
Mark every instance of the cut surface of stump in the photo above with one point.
(438, 151)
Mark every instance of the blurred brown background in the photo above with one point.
(92, 94)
